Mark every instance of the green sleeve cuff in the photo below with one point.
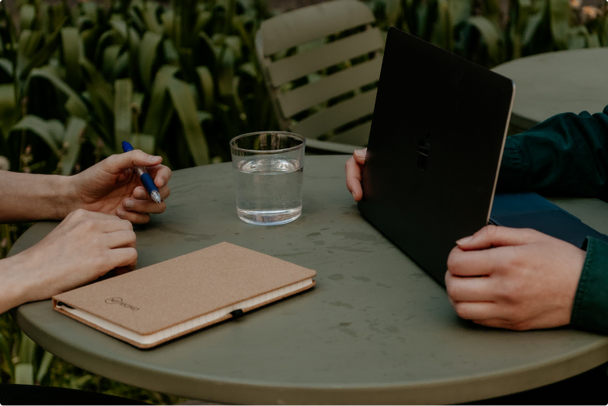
(590, 309)
(512, 168)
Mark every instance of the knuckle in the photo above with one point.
(462, 311)
(132, 254)
(112, 160)
(131, 236)
(490, 230)
(454, 262)
(79, 213)
(520, 326)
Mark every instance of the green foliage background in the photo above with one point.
(180, 81)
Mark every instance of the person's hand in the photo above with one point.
(80, 249)
(112, 187)
(518, 279)
(353, 173)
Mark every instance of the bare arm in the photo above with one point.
(83, 247)
(28, 197)
(108, 187)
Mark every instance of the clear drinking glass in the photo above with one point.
(268, 176)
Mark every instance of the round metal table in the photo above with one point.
(557, 82)
(375, 329)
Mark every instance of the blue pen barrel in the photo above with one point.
(147, 181)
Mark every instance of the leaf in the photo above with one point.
(108, 38)
(27, 16)
(39, 57)
(9, 112)
(56, 129)
(560, 17)
(72, 142)
(489, 34)
(110, 55)
(29, 41)
(70, 42)
(185, 105)
(44, 367)
(593, 40)
(206, 86)
(144, 142)
(206, 53)
(27, 347)
(460, 10)
(75, 107)
(122, 111)
(160, 109)
(6, 354)
(226, 73)
(147, 56)
(7, 66)
(170, 52)
(91, 10)
(149, 13)
(129, 36)
(24, 374)
(443, 32)
(74, 100)
(100, 92)
(577, 37)
(535, 22)
(37, 126)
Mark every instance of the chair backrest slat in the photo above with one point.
(354, 136)
(310, 23)
(307, 96)
(307, 62)
(331, 118)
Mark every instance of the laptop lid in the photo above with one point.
(434, 149)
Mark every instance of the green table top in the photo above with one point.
(375, 329)
(557, 82)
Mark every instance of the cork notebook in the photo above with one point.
(166, 300)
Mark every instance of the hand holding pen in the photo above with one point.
(113, 186)
(145, 178)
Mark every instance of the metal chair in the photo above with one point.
(321, 65)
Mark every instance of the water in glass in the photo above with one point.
(268, 190)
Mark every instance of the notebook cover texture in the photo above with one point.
(159, 296)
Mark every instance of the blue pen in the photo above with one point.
(146, 179)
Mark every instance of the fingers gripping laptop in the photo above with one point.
(434, 152)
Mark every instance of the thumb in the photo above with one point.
(495, 236)
(359, 155)
(120, 162)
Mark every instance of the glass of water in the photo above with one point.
(268, 176)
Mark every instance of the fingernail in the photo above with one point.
(354, 195)
(360, 153)
(129, 204)
(464, 240)
(153, 158)
(120, 213)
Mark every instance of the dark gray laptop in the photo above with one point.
(434, 151)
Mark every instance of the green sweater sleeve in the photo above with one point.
(590, 310)
(567, 154)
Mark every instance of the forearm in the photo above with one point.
(565, 154)
(14, 289)
(28, 197)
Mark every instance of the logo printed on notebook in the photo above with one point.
(120, 302)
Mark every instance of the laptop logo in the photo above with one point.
(423, 150)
